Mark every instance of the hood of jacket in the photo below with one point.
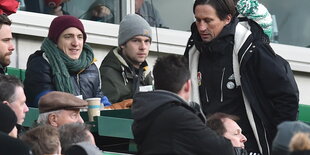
(146, 107)
(146, 102)
(105, 3)
(114, 60)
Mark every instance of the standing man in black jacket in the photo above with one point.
(235, 71)
(164, 123)
(6, 45)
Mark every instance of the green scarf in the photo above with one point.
(62, 66)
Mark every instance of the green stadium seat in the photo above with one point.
(114, 127)
(31, 116)
(19, 73)
(304, 113)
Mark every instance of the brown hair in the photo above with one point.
(43, 139)
(4, 20)
(223, 7)
(170, 73)
(300, 142)
(8, 84)
(215, 122)
(73, 133)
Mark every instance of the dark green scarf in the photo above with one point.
(62, 66)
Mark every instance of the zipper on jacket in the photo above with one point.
(78, 79)
(207, 97)
(223, 73)
(124, 76)
(78, 83)
(245, 53)
(265, 137)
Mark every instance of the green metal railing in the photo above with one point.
(117, 123)
(19, 73)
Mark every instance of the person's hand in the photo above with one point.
(125, 104)
(57, 11)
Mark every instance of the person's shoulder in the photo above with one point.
(147, 4)
(113, 62)
(182, 114)
(36, 55)
(93, 66)
(257, 31)
(111, 59)
(37, 60)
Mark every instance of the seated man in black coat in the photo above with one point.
(164, 123)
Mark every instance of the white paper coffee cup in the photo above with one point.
(93, 108)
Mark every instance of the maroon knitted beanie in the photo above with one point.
(61, 23)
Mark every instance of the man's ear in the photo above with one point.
(6, 102)
(53, 119)
(185, 90)
(228, 19)
(187, 86)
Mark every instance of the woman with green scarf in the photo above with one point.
(64, 63)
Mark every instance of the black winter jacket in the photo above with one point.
(165, 124)
(270, 95)
(39, 80)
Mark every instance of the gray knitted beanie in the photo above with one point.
(133, 25)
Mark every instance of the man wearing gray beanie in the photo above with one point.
(124, 71)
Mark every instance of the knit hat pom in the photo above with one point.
(61, 23)
(247, 7)
(257, 12)
(133, 25)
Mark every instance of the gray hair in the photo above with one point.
(8, 85)
(43, 117)
(73, 133)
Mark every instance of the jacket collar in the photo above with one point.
(2, 69)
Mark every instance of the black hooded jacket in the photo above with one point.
(271, 95)
(165, 124)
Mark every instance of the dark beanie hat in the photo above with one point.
(61, 23)
(8, 118)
